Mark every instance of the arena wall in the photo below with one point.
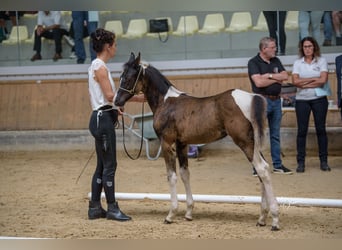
(46, 108)
(64, 103)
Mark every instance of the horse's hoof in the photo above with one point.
(167, 222)
(260, 224)
(275, 228)
(187, 219)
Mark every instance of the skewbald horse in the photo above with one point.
(180, 119)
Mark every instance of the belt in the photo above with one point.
(106, 108)
(272, 97)
(100, 111)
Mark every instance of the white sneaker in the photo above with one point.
(69, 41)
(72, 55)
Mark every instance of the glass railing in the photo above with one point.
(191, 35)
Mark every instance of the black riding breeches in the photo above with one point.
(102, 127)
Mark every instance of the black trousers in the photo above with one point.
(55, 34)
(102, 128)
(319, 108)
(272, 23)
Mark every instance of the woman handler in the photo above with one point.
(102, 127)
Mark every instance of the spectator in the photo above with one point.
(84, 23)
(328, 28)
(276, 20)
(70, 41)
(5, 16)
(307, 18)
(79, 23)
(337, 19)
(51, 26)
(93, 20)
(267, 74)
(310, 76)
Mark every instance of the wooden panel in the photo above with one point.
(64, 104)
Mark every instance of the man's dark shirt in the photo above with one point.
(257, 65)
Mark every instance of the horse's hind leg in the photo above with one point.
(170, 161)
(251, 149)
(268, 200)
(185, 175)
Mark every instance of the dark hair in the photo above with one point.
(317, 50)
(100, 37)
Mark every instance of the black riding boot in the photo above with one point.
(114, 213)
(95, 210)
(325, 166)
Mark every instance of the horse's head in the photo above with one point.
(130, 80)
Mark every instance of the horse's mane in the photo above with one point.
(163, 84)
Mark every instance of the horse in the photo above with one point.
(180, 119)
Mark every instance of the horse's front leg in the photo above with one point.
(182, 153)
(170, 161)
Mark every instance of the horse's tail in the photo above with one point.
(253, 106)
(258, 119)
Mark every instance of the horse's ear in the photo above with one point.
(131, 58)
(137, 60)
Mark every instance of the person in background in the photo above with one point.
(84, 22)
(327, 28)
(70, 41)
(338, 63)
(5, 16)
(307, 19)
(93, 21)
(310, 76)
(276, 20)
(51, 26)
(102, 124)
(337, 20)
(267, 74)
(79, 21)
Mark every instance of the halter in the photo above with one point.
(143, 66)
(132, 91)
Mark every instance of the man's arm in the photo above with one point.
(267, 79)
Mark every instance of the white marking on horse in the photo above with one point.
(144, 64)
(243, 100)
(172, 92)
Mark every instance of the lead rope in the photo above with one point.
(99, 113)
(142, 135)
(85, 166)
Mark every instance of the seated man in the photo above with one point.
(51, 26)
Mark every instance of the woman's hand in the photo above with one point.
(121, 110)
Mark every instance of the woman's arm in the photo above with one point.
(300, 82)
(101, 76)
(135, 98)
(312, 82)
(138, 98)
